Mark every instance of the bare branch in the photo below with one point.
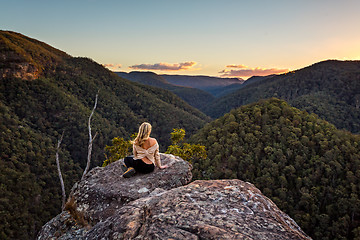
(59, 172)
(95, 136)
(90, 139)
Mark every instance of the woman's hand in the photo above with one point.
(163, 166)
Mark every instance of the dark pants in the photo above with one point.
(138, 165)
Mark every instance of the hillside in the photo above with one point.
(331, 89)
(222, 91)
(213, 85)
(193, 96)
(56, 93)
(27, 58)
(305, 165)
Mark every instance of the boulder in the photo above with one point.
(161, 206)
(104, 190)
(215, 209)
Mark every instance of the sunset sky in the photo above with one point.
(198, 37)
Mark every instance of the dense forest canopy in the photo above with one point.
(58, 96)
(29, 187)
(304, 164)
(330, 89)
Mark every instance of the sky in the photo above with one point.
(223, 38)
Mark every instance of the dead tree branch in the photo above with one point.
(59, 172)
(91, 139)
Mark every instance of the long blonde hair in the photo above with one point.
(143, 134)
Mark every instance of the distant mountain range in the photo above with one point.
(198, 91)
(330, 89)
(193, 96)
(213, 85)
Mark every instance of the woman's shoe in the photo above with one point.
(129, 173)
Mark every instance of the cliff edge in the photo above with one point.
(163, 205)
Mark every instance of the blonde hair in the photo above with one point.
(143, 134)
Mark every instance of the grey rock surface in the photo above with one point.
(216, 209)
(161, 206)
(104, 190)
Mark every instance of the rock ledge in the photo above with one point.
(159, 206)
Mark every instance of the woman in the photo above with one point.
(146, 153)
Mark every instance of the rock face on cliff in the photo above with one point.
(14, 66)
(158, 206)
(26, 58)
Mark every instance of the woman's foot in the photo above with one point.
(129, 173)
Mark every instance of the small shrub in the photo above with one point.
(187, 151)
(119, 149)
(70, 206)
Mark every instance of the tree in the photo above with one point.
(91, 139)
(120, 148)
(187, 151)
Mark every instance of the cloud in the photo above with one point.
(245, 71)
(237, 66)
(112, 66)
(164, 66)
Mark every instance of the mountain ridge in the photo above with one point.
(25, 57)
(330, 84)
(193, 96)
(213, 85)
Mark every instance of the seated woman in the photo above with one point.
(146, 153)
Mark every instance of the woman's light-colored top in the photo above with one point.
(152, 153)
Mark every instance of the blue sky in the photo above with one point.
(217, 38)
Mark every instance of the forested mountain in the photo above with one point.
(213, 85)
(310, 169)
(193, 96)
(43, 92)
(331, 89)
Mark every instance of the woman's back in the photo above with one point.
(148, 143)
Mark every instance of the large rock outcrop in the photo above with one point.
(158, 206)
(104, 190)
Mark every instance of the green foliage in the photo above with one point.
(177, 136)
(30, 190)
(188, 152)
(305, 165)
(119, 149)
